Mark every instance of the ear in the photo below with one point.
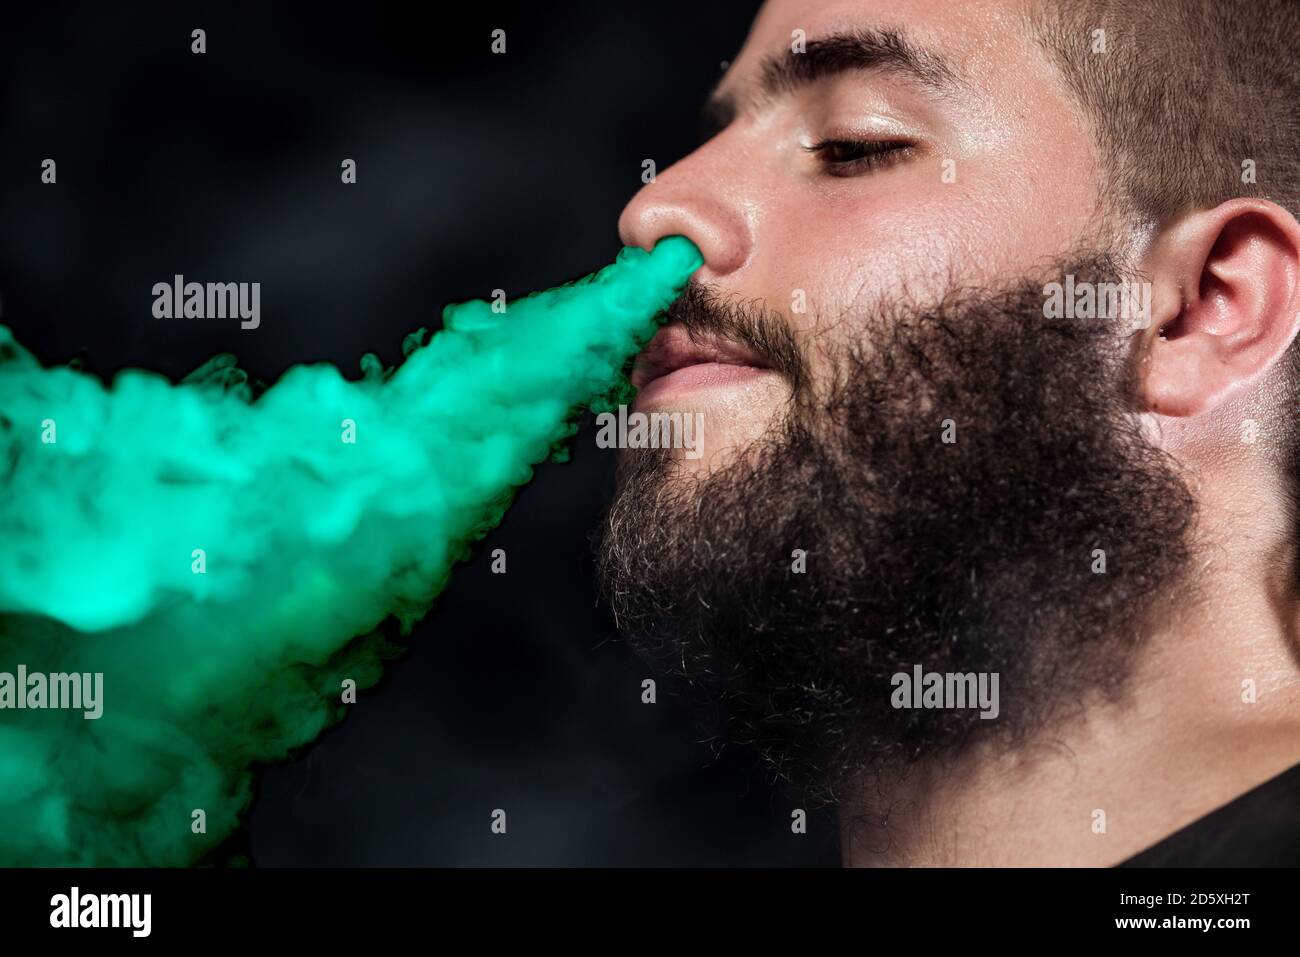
(1225, 304)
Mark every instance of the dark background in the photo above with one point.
(475, 172)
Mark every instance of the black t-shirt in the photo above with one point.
(1259, 829)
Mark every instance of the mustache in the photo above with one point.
(702, 310)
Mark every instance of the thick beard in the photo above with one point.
(971, 556)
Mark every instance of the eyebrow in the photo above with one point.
(885, 50)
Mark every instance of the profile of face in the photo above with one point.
(909, 146)
(907, 462)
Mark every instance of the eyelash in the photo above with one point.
(867, 155)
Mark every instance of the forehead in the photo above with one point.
(954, 24)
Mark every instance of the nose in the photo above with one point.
(699, 198)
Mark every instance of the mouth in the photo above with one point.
(675, 362)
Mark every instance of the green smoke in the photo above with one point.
(224, 558)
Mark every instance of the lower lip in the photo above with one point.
(699, 376)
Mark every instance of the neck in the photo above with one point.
(1186, 739)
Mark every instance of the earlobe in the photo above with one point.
(1225, 304)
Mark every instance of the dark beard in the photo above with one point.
(976, 556)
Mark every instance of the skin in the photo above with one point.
(771, 219)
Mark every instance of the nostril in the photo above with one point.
(723, 245)
(677, 204)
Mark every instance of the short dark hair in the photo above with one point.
(1181, 94)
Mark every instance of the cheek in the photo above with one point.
(852, 246)
(836, 258)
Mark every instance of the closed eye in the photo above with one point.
(855, 157)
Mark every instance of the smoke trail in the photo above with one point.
(216, 555)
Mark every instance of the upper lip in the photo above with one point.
(674, 348)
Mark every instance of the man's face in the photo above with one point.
(938, 150)
(935, 473)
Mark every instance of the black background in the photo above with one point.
(475, 172)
